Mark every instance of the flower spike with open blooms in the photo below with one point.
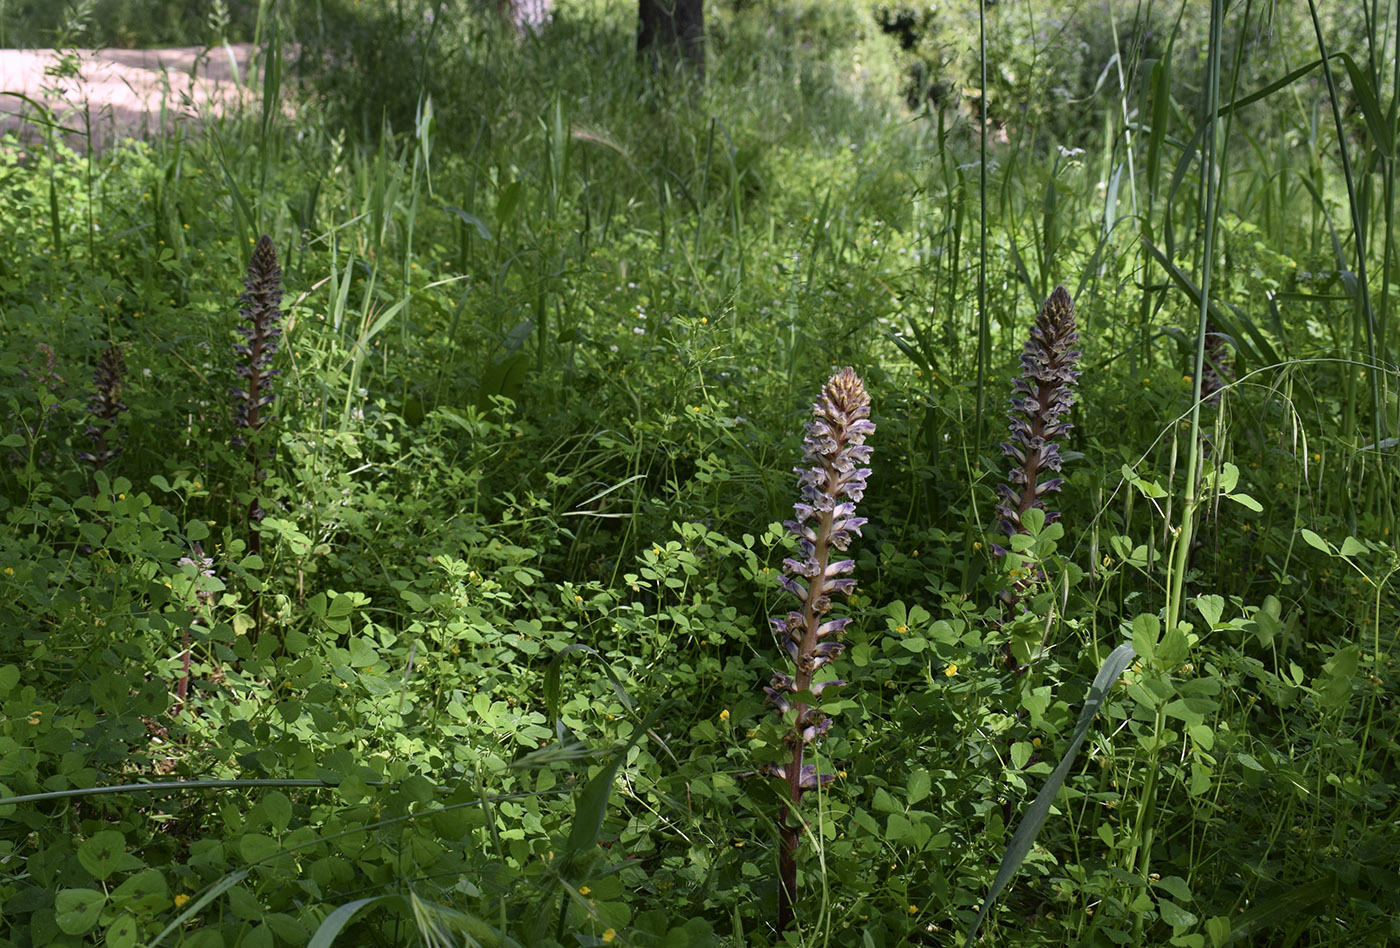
(261, 310)
(826, 521)
(1040, 399)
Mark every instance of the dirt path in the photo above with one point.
(128, 92)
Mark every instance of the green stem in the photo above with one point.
(1179, 564)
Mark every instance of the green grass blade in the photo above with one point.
(1272, 912)
(1039, 809)
(592, 806)
(216, 890)
(336, 921)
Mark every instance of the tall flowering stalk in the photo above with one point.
(104, 406)
(261, 311)
(830, 488)
(1040, 399)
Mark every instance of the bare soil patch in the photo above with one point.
(119, 93)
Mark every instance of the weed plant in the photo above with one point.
(550, 326)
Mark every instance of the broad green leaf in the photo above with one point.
(9, 677)
(255, 847)
(1177, 887)
(1244, 500)
(145, 892)
(105, 853)
(1211, 608)
(1173, 648)
(1351, 546)
(1315, 541)
(885, 803)
(77, 910)
(1174, 915)
(123, 933)
(1146, 629)
(1228, 478)
(898, 829)
(1039, 809)
(1334, 684)
(1266, 625)
(918, 787)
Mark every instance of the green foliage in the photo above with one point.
(551, 328)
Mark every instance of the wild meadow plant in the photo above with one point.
(826, 522)
(103, 408)
(261, 310)
(1041, 398)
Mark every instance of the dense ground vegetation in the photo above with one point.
(452, 620)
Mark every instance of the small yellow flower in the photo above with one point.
(724, 715)
(901, 629)
(9, 571)
(608, 936)
(181, 899)
(584, 890)
(913, 910)
(950, 671)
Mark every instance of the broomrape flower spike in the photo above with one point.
(830, 489)
(1040, 399)
(104, 406)
(261, 311)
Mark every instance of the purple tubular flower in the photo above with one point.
(830, 487)
(261, 310)
(1040, 399)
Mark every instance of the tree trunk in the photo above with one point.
(666, 28)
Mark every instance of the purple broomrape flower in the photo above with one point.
(826, 522)
(1040, 400)
(261, 311)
